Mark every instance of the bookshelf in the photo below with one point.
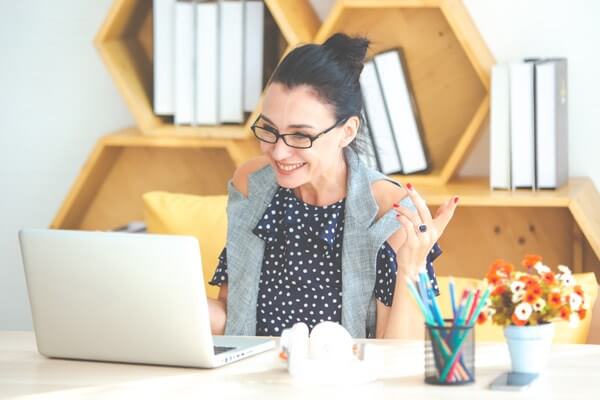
(449, 66)
(125, 42)
(126, 164)
(562, 225)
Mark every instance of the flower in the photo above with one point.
(523, 311)
(530, 260)
(541, 268)
(535, 296)
(539, 304)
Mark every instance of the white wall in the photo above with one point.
(56, 99)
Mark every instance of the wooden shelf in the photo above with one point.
(448, 66)
(125, 165)
(477, 192)
(563, 225)
(126, 46)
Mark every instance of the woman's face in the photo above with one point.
(299, 110)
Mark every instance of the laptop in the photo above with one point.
(124, 297)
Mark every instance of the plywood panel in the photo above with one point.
(479, 235)
(142, 169)
(447, 88)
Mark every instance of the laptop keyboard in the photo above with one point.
(221, 349)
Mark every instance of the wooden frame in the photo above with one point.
(448, 64)
(125, 45)
(126, 164)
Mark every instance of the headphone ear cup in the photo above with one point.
(330, 341)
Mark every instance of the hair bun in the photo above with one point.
(348, 50)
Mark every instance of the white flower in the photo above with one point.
(564, 269)
(517, 287)
(573, 320)
(567, 279)
(541, 268)
(523, 311)
(518, 296)
(539, 304)
(575, 301)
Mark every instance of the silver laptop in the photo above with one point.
(125, 297)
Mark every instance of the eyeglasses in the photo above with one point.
(297, 140)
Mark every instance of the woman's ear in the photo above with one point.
(350, 127)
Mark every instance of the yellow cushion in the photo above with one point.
(204, 217)
(489, 332)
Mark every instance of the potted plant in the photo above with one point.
(527, 303)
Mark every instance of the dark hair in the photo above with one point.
(332, 70)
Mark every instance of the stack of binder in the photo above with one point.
(391, 114)
(529, 125)
(208, 59)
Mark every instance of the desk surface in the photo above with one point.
(574, 370)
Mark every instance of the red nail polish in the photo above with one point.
(456, 200)
(409, 186)
(395, 204)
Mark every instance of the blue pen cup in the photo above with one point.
(449, 354)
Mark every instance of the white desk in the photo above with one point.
(574, 372)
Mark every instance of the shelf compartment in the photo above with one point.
(562, 225)
(125, 44)
(125, 165)
(448, 65)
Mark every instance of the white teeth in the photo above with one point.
(289, 167)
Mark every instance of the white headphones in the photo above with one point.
(328, 355)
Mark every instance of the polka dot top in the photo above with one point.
(301, 276)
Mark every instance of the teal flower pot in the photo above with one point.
(529, 346)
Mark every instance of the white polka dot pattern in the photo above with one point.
(301, 276)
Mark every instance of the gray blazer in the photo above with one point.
(363, 236)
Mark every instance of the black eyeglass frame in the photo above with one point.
(283, 135)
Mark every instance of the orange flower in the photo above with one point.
(564, 313)
(581, 312)
(499, 270)
(493, 279)
(554, 300)
(549, 278)
(534, 288)
(530, 260)
(516, 321)
(482, 317)
(527, 280)
(531, 297)
(499, 290)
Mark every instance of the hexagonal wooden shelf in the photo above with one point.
(562, 225)
(126, 164)
(126, 46)
(448, 64)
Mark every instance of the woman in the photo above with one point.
(313, 234)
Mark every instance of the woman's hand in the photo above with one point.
(420, 231)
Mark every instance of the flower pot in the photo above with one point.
(529, 346)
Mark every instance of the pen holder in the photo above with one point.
(449, 354)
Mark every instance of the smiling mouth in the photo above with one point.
(289, 167)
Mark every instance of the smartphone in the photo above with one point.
(513, 381)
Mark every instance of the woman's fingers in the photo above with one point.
(419, 203)
(445, 213)
(409, 228)
(411, 215)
